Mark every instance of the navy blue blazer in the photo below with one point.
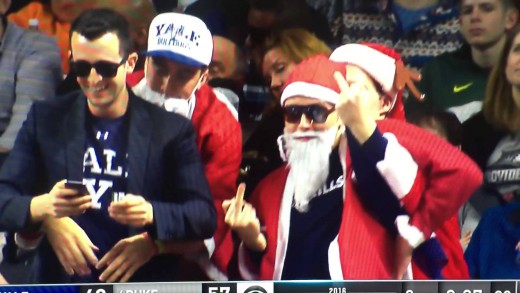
(163, 162)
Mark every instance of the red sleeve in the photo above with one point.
(220, 144)
(445, 180)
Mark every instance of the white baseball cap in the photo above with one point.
(180, 37)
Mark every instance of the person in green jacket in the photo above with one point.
(456, 81)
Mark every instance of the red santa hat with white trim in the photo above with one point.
(313, 78)
(384, 65)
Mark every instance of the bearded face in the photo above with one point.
(171, 104)
(308, 158)
(311, 128)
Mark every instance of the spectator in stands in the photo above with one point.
(175, 78)
(491, 138)
(444, 124)
(447, 125)
(489, 135)
(418, 30)
(456, 81)
(268, 16)
(140, 165)
(54, 18)
(228, 60)
(494, 248)
(139, 14)
(227, 70)
(30, 71)
(283, 51)
(271, 16)
(226, 20)
(325, 189)
(447, 232)
(493, 252)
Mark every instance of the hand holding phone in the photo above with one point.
(66, 198)
(79, 186)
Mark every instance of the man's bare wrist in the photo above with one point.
(39, 208)
(258, 244)
(47, 223)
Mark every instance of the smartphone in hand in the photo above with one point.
(77, 185)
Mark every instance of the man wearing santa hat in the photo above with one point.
(433, 261)
(314, 219)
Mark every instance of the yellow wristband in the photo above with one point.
(160, 246)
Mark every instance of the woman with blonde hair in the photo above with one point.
(279, 54)
(284, 50)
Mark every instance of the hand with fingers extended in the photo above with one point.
(358, 107)
(71, 244)
(132, 210)
(241, 217)
(59, 202)
(126, 257)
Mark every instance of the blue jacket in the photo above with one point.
(491, 253)
(164, 167)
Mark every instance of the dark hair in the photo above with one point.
(446, 123)
(95, 23)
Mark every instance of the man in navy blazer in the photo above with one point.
(139, 163)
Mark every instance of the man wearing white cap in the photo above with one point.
(319, 203)
(179, 51)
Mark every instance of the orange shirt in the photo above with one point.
(48, 24)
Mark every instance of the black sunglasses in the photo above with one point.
(316, 113)
(106, 69)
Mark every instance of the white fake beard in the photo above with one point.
(171, 104)
(309, 163)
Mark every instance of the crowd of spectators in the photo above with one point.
(229, 89)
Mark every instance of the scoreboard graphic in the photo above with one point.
(506, 286)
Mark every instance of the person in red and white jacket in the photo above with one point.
(175, 77)
(342, 215)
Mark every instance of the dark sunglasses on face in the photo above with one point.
(106, 69)
(316, 113)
